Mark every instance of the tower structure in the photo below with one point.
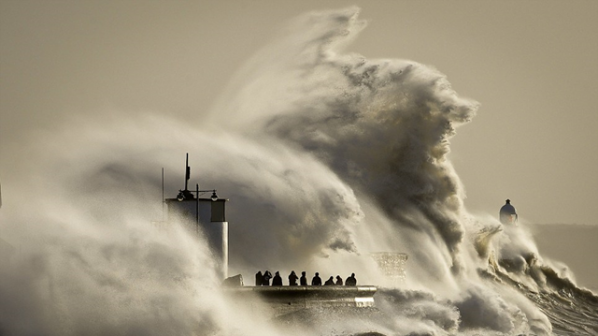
(203, 215)
(508, 214)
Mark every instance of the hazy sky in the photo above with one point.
(532, 65)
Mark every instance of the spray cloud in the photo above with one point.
(326, 157)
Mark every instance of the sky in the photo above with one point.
(531, 65)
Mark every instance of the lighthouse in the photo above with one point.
(203, 215)
(508, 214)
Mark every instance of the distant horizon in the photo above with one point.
(570, 244)
(567, 224)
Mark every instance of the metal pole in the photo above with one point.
(197, 207)
(187, 171)
(163, 200)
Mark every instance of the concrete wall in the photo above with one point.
(288, 299)
(216, 232)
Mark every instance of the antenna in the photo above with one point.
(163, 199)
(186, 194)
(187, 171)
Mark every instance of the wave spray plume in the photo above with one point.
(327, 157)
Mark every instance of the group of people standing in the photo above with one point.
(264, 279)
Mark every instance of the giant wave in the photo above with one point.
(327, 157)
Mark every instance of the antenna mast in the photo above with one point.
(187, 172)
(186, 194)
(163, 199)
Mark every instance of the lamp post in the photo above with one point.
(186, 194)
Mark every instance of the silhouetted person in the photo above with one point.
(267, 277)
(293, 279)
(329, 282)
(508, 214)
(351, 281)
(316, 281)
(277, 281)
(259, 278)
(303, 280)
(339, 280)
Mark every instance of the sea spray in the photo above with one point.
(326, 158)
(383, 126)
(88, 253)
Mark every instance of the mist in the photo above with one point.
(326, 157)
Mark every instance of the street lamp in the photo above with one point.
(188, 194)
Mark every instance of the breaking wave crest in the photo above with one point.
(327, 157)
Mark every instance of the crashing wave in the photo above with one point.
(328, 157)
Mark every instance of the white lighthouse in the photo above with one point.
(204, 216)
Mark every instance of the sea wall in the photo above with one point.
(288, 299)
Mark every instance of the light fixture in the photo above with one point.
(214, 196)
(180, 197)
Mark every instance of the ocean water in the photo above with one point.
(326, 157)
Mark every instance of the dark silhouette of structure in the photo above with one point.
(508, 214)
(259, 278)
(200, 214)
(316, 281)
(233, 282)
(277, 280)
(339, 280)
(303, 280)
(330, 281)
(351, 281)
(267, 277)
(293, 279)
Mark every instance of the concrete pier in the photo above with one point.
(287, 299)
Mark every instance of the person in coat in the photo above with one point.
(316, 281)
(267, 277)
(293, 279)
(277, 280)
(259, 278)
(303, 280)
(351, 281)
